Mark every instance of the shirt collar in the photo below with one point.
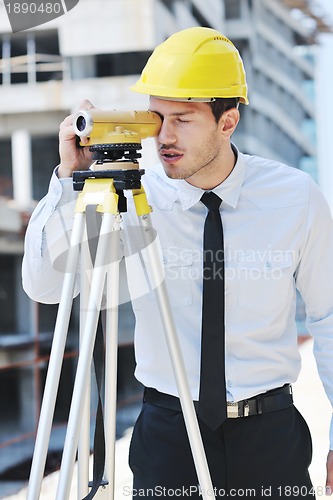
(229, 190)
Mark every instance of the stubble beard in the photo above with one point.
(206, 162)
(188, 171)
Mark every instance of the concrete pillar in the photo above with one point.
(22, 168)
(6, 52)
(26, 395)
(83, 67)
(31, 58)
(25, 316)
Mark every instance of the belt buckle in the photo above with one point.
(232, 410)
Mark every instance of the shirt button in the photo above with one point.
(165, 260)
(229, 383)
(268, 265)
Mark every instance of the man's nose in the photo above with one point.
(167, 134)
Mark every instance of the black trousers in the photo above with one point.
(261, 456)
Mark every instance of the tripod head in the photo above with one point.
(115, 135)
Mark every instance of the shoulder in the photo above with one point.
(270, 183)
(273, 169)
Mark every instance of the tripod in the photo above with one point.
(104, 190)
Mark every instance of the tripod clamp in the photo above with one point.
(124, 179)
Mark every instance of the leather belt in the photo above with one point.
(273, 400)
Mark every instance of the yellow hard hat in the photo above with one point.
(194, 64)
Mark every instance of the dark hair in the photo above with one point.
(220, 105)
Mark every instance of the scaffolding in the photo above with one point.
(312, 10)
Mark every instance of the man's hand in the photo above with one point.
(329, 480)
(72, 157)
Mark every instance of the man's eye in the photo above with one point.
(183, 121)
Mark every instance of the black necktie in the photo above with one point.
(212, 397)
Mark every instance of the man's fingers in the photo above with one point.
(329, 468)
(86, 104)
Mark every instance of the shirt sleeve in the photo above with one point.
(47, 242)
(314, 280)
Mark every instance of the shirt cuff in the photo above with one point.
(61, 189)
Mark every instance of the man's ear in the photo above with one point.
(229, 121)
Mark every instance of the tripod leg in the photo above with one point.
(179, 370)
(85, 357)
(55, 363)
(111, 359)
(84, 439)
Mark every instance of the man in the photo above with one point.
(278, 237)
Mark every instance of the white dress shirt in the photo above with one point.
(278, 236)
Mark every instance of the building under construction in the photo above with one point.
(96, 51)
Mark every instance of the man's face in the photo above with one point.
(190, 143)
